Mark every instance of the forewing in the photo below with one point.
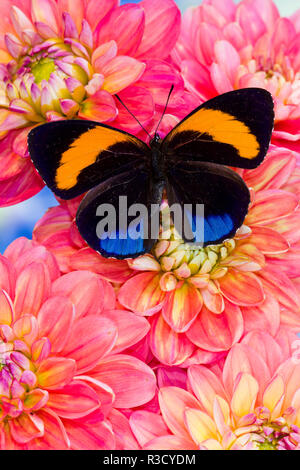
(73, 156)
(233, 129)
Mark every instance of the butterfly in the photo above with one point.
(190, 164)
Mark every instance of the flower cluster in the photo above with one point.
(180, 348)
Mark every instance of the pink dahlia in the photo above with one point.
(62, 59)
(253, 403)
(63, 373)
(225, 46)
(200, 303)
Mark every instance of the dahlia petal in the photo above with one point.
(85, 437)
(271, 205)
(111, 269)
(121, 72)
(228, 58)
(170, 442)
(147, 426)
(273, 172)
(131, 328)
(217, 332)
(169, 347)
(132, 381)
(74, 400)
(289, 227)
(7, 276)
(35, 400)
(173, 403)
(267, 240)
(55, 372)
(55, 320)
(125, 25)
(92, 337)
(26, 328)
(242, 288)
(263, 317)
(168, 376)
(45, 11)
(54, 437)
(220, 80)
(288, 263)
(244, 394)
(6, 309)
(20, 187)
(162, 26)
(181, 307)
(240, 360)
(266, 346)
(125, 439)
(40, 349)
(280, 287)
(95, 12)
(84, 289)
(32, 289)
(26, 427)
(142, 294)
(75, 9)
(11, 120)
(109, 298)
(213, 301)
(205, 385)
(251, 22)
(273, 393)
(104, 54)
(197, 78)
(200, 425)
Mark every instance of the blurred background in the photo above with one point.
(19, 220)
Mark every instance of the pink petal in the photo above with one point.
(125, 439)
(271, 205)
(228, 58)
(26, 427)
(45, 11)
(121, 72)
(96, 11)
(7, 276)
(273, 172)
(132, 381)
(266, 346)
(173, 402)
(288, 226)
(111, 269)
(55, 436)
(90, 437)
(147, 426)
(142, 293)
(55, 320)
(140, 102)
(131, 328)
(6, 309)
(251, 22)
(32, 289)
(20, 187)
(220, 80)
(268, 241)
(169, 347)
(162, 26)
(205, 385)
(99, 107)
(280, 287)
(74, 400)
(109, 298)
(263, 317)
(181, 307)
(217, 332)
(92, 337)
(84, 289)
(242, 288)
(55, 372)
(125, 25)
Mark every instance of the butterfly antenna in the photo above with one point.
(118, 98)
(169, 95)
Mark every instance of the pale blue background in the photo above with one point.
(19, 220)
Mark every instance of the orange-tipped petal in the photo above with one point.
(142, 293)
(181, 307)
(56, 372)
(169, 347)
(242, 288)
(121, 72)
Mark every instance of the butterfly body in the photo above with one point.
(190, 164)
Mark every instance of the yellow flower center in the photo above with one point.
(42, 70)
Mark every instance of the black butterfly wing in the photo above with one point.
(233, 129)
(73, 156)
(219, 191)
(107, 217)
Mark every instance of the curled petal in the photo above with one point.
(121, 72)
(242, 288)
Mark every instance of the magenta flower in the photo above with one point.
(225, 46)
(67, 59)
(63, 373)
